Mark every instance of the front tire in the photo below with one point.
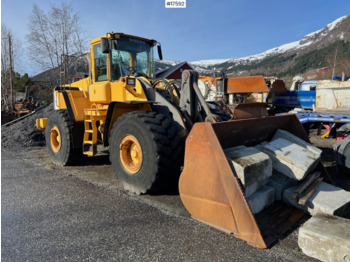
(59, 141)
(145, 151)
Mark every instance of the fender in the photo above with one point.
(76, 127)
(68, 105)
(119, 108)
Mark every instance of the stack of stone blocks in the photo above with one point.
(253, 168)
(272, 170)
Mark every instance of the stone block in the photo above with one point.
(261, 199)
(252, 188)
(261, 145)
(234, 149)
(251, 166)
(291, 159)
(326, 238)
(297, 140)
(326, 199)
(280, 182)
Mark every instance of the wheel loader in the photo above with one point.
(156, 129)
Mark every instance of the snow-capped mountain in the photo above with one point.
(286, 54)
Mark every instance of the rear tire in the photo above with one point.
(145, 151)
(59, 141)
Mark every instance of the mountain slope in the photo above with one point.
(312, 51)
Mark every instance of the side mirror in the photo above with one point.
(160, 55)
(105, 45)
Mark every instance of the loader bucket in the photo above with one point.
(250, 110)
(246, 84)
(212, 193)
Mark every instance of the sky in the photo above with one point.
(205, 29)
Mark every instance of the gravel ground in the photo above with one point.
(185, 239)
(80, 213)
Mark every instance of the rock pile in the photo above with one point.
(24, 134)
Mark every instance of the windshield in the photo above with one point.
(131, 56)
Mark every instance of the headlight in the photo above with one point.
(130, 81)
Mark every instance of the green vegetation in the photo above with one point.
(20, 82)
(319, 58)
(267, 63)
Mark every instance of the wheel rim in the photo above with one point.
(130, 153)
(55, 139)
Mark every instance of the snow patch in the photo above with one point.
(210, 62)
(332, 25)
(171, 63)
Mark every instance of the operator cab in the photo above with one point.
(126, 55)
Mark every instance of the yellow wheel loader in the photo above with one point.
(145, 122)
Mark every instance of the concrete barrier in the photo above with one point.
(251, 166)
(291, 159)
(261, 199)
(280, 183)
(326, 238)
(294, 139)
(326, 199)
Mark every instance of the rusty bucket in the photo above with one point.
(212, 193)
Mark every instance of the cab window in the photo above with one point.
(100, 61)
(130, 56)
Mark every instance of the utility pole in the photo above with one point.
(11, 81)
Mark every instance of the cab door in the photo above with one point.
(100, 89)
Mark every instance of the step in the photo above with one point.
(88, 153)
(95, 112)
(90, 149)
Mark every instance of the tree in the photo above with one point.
(20, 82)
(55, 37)
(9, 42)
(339, 58)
